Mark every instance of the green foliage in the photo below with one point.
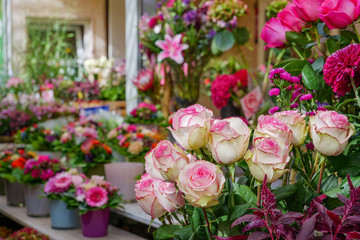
(224, 40)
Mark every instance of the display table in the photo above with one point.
(42, 225)
(134, 212)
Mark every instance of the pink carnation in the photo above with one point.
(306, 97)
(274, 92)
(63, 180)
(274, 110)
(340, 67)
(96, 197)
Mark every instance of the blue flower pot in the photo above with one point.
(63, 218)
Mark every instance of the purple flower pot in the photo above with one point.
(95, 223)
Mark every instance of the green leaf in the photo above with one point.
(245, 193)
(285, 62)
(166, 232)
(196, 218)
(333, 192)
(242, 35)
(344, 165)
(296, 38)
(332, 45)
(239, 210)
(297, 200)
(349, 35)
(214, 49)
(329, 183)
(311, 79)
(295, 67)
(323, 29)
(318, 65)
(284, 192)
(224, 40)
(184, 233)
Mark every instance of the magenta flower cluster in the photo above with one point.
(281, 74)
(42, 168)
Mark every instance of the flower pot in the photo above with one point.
(35, 205)
(122, 175)
(61, 217)
(14, 193)
(96, 170)
(2, 187)
(95, 223)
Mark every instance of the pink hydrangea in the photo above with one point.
(96, 197)
(340, 67)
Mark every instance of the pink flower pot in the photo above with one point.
(95, 223)
(122, 175)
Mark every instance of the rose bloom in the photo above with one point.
(250, 104)
(274, 33)
(229, 140)
(290, 18)
(339, 13)
(297, 124)
(96, 197)
(156, 197)
(308, 10)
(168, 160)
(202, 183)
(330, 132)
(268, 157)
(190, 126)
(270, 126)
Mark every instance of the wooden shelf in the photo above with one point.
(18, 214)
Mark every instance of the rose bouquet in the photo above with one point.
(196, 183)
(92, 194)
(197, 32)
(12, 163)
(38, 170)
(145, 113)
(133, 141)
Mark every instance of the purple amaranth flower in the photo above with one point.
(306, 97)
(274, 92)
(274, 110)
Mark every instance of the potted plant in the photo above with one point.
(27, 233)
(12, 163)
(94, 198)
(59, 188)
(147, 115)
(37, 171)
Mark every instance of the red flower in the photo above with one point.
(21, 151)
(220, 89)
(140, 135)
(107, 149)
(35, 125)
(126, 144)
(242, 77)
(19, 163)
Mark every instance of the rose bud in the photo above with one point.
(229, 140)
(297, 124)
(190, 126)
(156, 197)
(268, 157)
(201, 182)
(330, 132)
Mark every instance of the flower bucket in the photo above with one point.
(14, 193)
(95, 223)
(122, 175)
(35, 205)
(61, 217)
(2, 187)
(96, 170)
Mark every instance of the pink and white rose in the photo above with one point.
(251, 102)
(190, 126)
(202, 183)
(168, 160)
(156, 197)
(330, 132)
(268, 157)
(270, 126)
(229, 140)
(297, 124)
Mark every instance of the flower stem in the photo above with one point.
(321, 176)
(258, 195)
(266, 76)
(207, 223)
(355, 90)
(315, 166)
(298, 53)
(356, 31)
(317, 38)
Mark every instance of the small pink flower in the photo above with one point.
(144, 81)
(274, 92)
(274, 110)
(14, 82)
(96, 197)
(295, 105)
(172, 48)
(63, 180)
(306, 97)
